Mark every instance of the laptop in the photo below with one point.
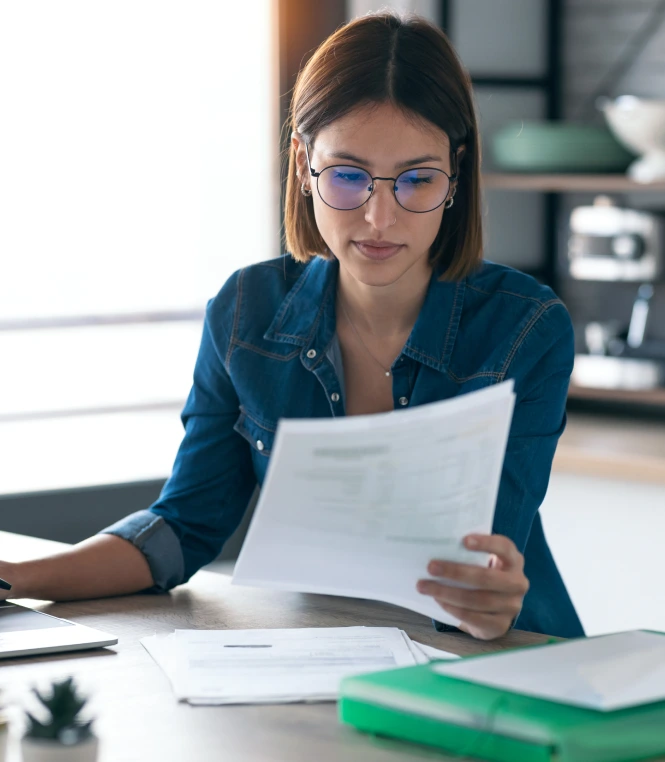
(26, 632)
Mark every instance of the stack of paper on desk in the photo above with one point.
(278, 666)
(358, 506)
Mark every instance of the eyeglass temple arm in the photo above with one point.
(454, 164)
(312, 172)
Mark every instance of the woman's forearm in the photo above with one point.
(98, 567)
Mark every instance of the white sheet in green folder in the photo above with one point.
(605, 673)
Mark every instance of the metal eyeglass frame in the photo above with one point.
(451, 179)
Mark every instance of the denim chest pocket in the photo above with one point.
(259, 434)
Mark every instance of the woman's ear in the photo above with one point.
(459, 155)
(298, 144)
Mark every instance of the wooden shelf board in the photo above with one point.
(619, 448)
(568, 183)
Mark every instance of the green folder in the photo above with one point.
(464, 718)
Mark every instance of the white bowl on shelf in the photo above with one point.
(639, 123)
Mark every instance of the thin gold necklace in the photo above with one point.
(365, 347)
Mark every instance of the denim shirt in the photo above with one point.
(267, 352)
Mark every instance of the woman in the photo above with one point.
(383, 302)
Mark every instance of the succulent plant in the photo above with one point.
(64, 706)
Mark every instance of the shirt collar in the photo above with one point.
(306, 317)
(433, 336)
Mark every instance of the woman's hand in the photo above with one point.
(7, 573)
(487, 611)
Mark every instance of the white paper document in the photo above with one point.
(432, 654)
(277, 666)
(358, 506)
(605, 673)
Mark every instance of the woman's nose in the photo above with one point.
(381, 209)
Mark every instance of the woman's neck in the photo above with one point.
(384, 311)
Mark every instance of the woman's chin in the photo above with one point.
(373, 272)
(371, 275)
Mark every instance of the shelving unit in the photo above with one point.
(651, 398)
(569, 183)
(547, 82)
(530, 79)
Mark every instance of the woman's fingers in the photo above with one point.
(485, 599)
(479, 625)
(480, 577)
(471, 600)
(500, 546)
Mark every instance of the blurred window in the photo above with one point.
(138, 170)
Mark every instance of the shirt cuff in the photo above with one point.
(158, 543)
(442, 627)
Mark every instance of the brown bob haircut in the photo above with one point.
(407, 61)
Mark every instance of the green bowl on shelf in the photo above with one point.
(557, 147)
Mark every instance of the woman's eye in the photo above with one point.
(351, 178)
(418, 180)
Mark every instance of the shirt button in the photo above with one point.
(334, 397)
(403, 401)
(259, 445)
(311, 354)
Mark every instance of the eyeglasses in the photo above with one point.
(418, 190)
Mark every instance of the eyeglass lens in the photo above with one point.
(417, 190)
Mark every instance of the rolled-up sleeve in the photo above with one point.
(158, 543)
(204, 499)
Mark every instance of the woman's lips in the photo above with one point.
(377, 252)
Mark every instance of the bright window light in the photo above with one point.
(138, 170)
(138, 146)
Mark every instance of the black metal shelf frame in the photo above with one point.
(552, 85)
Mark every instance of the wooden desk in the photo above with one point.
(138, 717)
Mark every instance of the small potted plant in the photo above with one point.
(64, 736)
